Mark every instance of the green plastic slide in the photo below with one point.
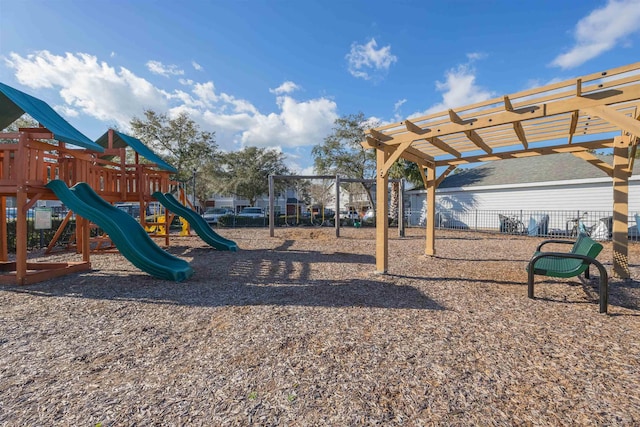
(198, 223)
(124, 231)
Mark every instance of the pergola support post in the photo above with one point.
(620, 207)
(382, 213)
(430, 248)
(401, 224)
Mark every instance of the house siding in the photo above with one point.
(594, 196)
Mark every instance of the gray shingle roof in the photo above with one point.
(556, 167)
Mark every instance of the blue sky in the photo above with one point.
(278, 73)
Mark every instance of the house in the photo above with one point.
(540, 184)
(352, 197)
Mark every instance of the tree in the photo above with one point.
(342, 154)
(179, 141)
(245, 173)
(24, 121)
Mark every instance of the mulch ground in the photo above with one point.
(298, 330)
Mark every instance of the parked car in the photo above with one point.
(12, 214)
(350, 214)
(252, 212)
(211, 215)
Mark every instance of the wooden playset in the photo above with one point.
(31, 157)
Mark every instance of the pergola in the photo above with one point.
(596, 111)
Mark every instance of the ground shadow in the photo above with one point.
(248, 277)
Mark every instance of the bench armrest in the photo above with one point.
(563, 241)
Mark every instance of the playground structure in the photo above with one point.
(597, 111)
(56, 161)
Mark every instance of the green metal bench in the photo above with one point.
(571, 264)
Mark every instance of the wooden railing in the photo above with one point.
(33, 163)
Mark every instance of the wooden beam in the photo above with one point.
(634, 145)
(455, 118)
(574, 123)
(595, 161)
(616, 78)
(411, 127)
(477, 139)
(384, 170)
(380, 136)
(507, 104)
(565, 148)
(471, 134)
(424, 177)
(412, 153)
(370, 142)
(444, 175)
(437, 142)
(606, 97)
(632, 154)
(517, 127)
(626, 123)
(578, 87)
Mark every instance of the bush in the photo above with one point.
(36, 237)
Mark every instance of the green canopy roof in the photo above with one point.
(14, 104)
(121, 140)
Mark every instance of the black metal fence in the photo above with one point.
(40, 238)
(598, 224)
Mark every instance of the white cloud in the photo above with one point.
(297, 124)
(366, 62)
(475, 56)
(91, 87)
(399, 104)
(601, 31)
(113, 55)
(196, 66)
(157, 67)
(286, 87)
(458, 89)
(205, 92)
(66, 111)
(96, 89)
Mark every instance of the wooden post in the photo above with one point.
(382, 213)
(86, 241)
(4, 241)
(401, 209)
(431, 211)
(21, 236)
(620, 207)
(272, 209)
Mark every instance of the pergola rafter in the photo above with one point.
(595, 111)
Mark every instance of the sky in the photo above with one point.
(278, 73)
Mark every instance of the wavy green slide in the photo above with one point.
(124, 231)
(198, 223)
